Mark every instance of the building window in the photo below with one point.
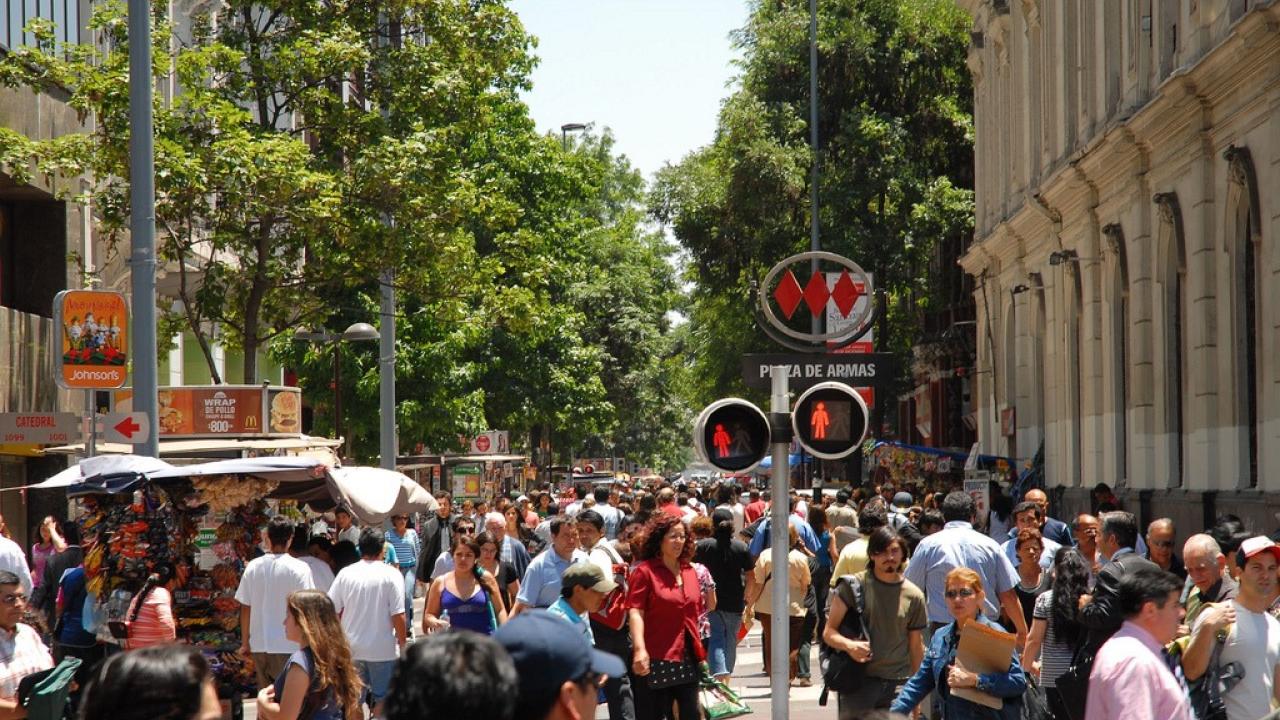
(1172, 251)
(1119, 271)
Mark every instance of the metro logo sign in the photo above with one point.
(91, 337)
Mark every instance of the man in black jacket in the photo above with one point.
(1101, 612)
(435, 535)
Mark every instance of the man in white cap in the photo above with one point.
(1252, 635)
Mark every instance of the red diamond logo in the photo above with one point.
(788, 294)
(816, 293)
(845, 293)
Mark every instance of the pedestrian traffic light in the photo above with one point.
(732, 435)
(830, 420)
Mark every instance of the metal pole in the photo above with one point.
(780, 678)
(142, 223)
(337, 401)
(91, 424)
(814, 243)
(388, 445)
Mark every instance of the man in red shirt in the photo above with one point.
(667, 503)
(754, 509)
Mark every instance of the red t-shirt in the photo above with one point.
(668, 609)
(673, 510)
(754, 511)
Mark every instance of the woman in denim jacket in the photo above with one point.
(939, 669)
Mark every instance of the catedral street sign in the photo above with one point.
(91, 335)
(39, 428)
(806, 370)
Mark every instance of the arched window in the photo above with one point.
(1118, 271)
(1242, 235)
(1173, 254)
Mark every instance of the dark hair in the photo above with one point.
(1028, 506)
(723, 532)
(957, 505)
(472, 543)
(817, 518)
(8, 578)
(648, 502)
(842, 496)
(71, 533)
(161, 682)
(872, 516)
(1101, 488)
(601, 493)
(344, 554)
(1070, 580)
(159, 578)
(558, 522)
(1026, 536)
(460, 521)
(370, 543)
(882, 538)
(280, 531)
(1123, 525)
(654, 533)
(580, 491)
(931, 517)
(324, 543)
(1001, 504)
(487, 538)
(301, 539)
(455, 675)
(1144, 585)
(346, 509)
(592, 518)
(753, 494)
(1229, 533)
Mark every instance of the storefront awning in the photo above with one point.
(208, 448)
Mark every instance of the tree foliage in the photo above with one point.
(895, 158)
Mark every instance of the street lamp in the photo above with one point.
(567, 128)
(355, 332)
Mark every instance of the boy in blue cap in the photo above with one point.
(560, 674)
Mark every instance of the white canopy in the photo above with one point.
(375, 494)
(100, 467)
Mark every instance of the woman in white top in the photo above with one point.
(761, 605)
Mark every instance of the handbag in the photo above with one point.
(669, 673)
(839, 671)
(718, 701)
(1035, 703)
(1073, 684)
(1218, 679)
(44, 694)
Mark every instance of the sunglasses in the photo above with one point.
(960, 593)
(1162, 543)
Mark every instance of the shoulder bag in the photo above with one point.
(839, 671)
(670, 673)
(1218, 679)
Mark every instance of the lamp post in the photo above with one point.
(356, 332)
(567, 128)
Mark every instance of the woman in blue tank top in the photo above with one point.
(466, 598)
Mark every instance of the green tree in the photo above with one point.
(895, 156)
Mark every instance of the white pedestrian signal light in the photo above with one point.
(830, 420)
(732, 435)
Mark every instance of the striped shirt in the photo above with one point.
(1055, 655)
(155, 623)
(407, 546)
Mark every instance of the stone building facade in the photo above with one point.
(1126, 257)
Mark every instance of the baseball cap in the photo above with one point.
(1259, 544)
(902, 499)
(548, 652)
(588, 575)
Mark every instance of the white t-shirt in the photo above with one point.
(1254, 642)
(321, 573)
(15, 561)
(739, 516)
(264, 587)
(367, 595)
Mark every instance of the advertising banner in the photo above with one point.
(217, 410)
(91, 334)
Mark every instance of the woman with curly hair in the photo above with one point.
(320, 680)
(664, 602)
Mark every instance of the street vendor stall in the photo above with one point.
(205, 522)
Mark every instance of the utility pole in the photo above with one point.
(387, 440)
(779, 533)
(814, 243)
(142, 223)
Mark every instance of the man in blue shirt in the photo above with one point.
(959, 545)
(1053, 529)
(1028, 516)
(760, 541)
(541, 585)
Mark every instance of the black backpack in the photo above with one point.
(839, 671)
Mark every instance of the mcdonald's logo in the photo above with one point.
(251, 422)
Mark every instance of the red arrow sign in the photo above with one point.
(127, 427)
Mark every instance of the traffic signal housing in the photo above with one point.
(732, 435)
(830, 420)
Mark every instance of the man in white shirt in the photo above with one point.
(369, 597)
(15, 561)
(1252, 635)
(321, 573)
(346, 527)
(264, 586)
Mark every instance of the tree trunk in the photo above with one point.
(193, 318)
(253, 303)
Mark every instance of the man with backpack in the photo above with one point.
(609, 624)
(876, 618)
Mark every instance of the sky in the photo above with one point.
(653, 71)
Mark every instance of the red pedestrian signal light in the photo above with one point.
(830, 420)
(732, 435)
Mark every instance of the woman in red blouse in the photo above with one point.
(664, 603)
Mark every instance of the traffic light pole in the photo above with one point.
(780, 678)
